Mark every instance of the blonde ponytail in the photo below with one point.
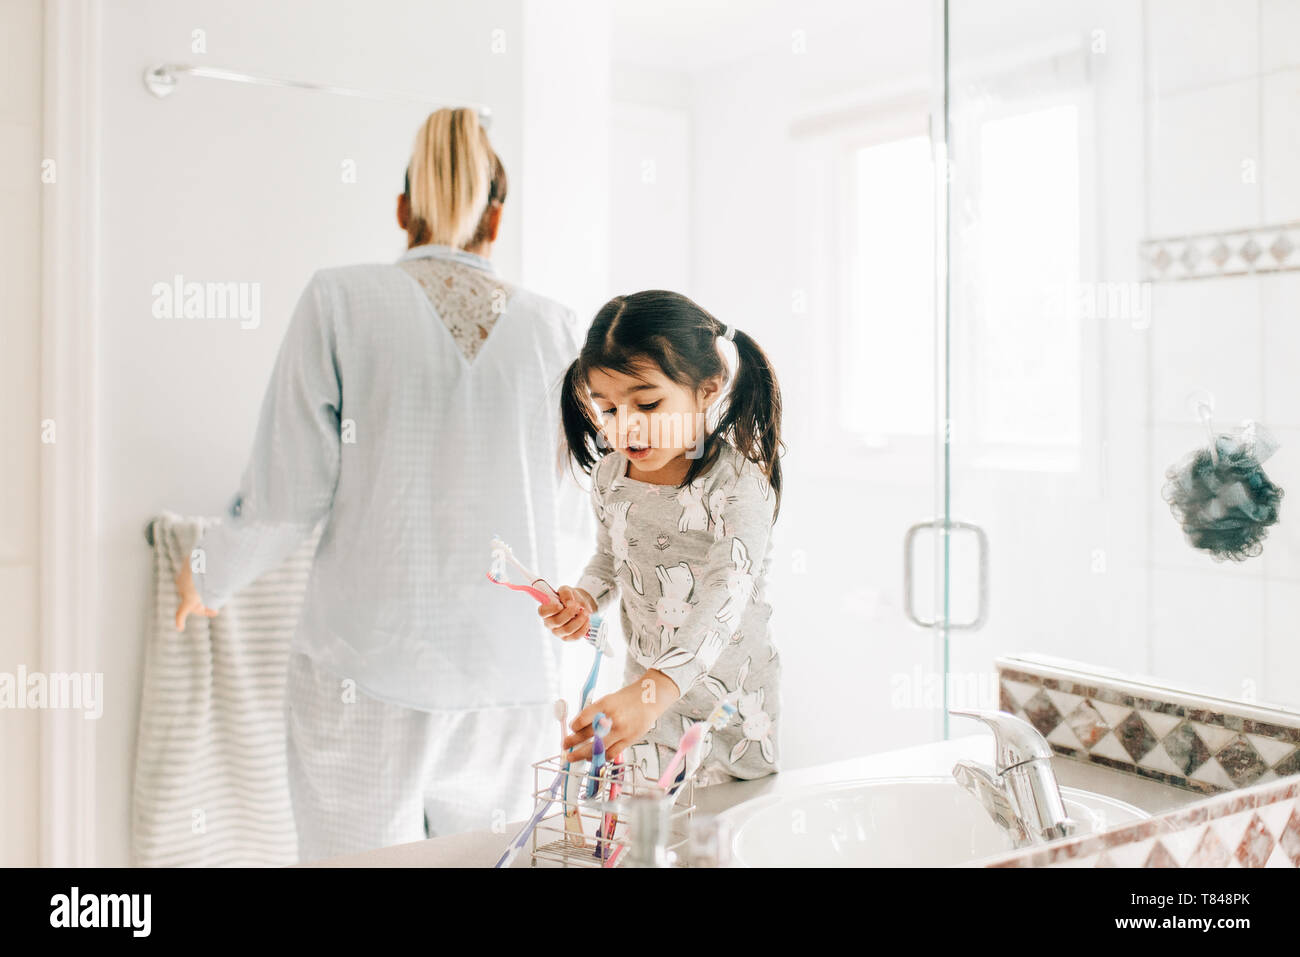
(450, 174)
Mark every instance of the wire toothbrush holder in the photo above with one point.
(557, 838)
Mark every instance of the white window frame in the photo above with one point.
(1023, 457)
(834, 151)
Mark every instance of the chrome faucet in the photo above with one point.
(1020, 793)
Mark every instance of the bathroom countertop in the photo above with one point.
(483, 848)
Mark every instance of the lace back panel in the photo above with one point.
(468, 300)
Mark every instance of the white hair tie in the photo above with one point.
(729, 333)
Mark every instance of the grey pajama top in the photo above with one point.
(691, 565)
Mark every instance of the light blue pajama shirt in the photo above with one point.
(415, 440)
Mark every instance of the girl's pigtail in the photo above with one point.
(752, 419)
(580, 433)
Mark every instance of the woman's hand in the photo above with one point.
(632, 712)
(571, 616)
(189, 603)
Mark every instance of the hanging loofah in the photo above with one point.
(1221, 496)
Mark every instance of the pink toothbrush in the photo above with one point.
(694, 737)
(537, 587)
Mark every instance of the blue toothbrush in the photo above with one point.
(572, 816)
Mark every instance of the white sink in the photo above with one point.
(889, 822)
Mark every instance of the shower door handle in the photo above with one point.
(909, 603)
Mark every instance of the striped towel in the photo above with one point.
(211, 787)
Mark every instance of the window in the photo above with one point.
(1018, 349)
(1026, 343)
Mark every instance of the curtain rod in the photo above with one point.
(161, 81)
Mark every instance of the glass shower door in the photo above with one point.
(1044, 339)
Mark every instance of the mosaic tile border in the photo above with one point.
(1190, 741)
(1240, 252)
(1254, 827)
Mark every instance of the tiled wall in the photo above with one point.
(1183, 740)
(1248, 757)
(1222, 94)
(1222, 80)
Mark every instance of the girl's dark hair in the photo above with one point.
(670, 330)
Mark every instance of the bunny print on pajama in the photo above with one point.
(621, 545)
(702, 618)
(694, 514)
(674, 605)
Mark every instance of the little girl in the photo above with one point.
(685, 518)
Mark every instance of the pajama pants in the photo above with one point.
(365, 774)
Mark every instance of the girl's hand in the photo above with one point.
(190, 603)
(632, 712)
(571, 616)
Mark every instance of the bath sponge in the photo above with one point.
(1222, 497)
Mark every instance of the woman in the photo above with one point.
(410, 409)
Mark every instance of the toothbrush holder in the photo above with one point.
(553, 845)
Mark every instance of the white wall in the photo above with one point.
(231, 182)
(566, 109)
(650, 248)
(21, 43)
